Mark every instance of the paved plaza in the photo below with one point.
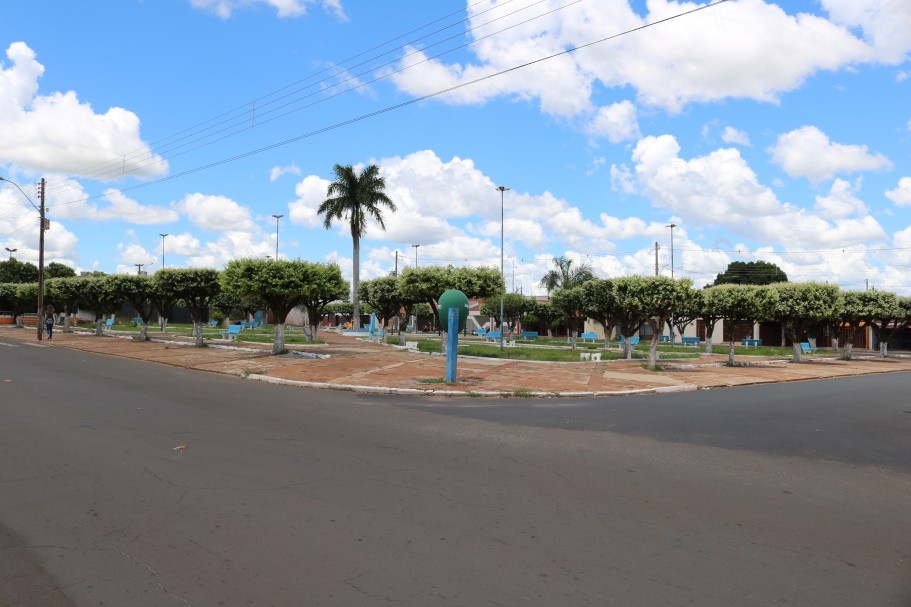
(351, 363)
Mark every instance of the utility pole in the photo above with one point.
(396, 273)
(656, 258)
(139, 268)
(43, 227)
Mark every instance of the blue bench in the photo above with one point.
(481, 332)
(232, 332)
(751, 342)
(633, 341)
(664, 339)
(589, 336)
(806, 348)
(689, 341)
(492, 335)
(529, 335)
(213, 323)
(109, 323)
(137, 320)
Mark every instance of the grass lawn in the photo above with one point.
(262, 335)
(564, 354)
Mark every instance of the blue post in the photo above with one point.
(452, 345)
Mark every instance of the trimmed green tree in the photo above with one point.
(571, 303)
(280, 284)
(64, 292)
(195, 288)
(137, 291)
(799, 307)
(652, 299)
(599, 298)
(324, 286)
(100, 295)
(733, 303)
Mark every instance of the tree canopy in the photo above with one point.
(565, 276)
(751, 273)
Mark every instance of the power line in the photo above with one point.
(412, 101)
(240, 116)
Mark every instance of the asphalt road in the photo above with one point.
(286, 496)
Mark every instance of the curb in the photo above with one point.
(467, 393)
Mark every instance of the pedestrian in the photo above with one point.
(49, 324)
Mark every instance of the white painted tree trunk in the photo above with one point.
(197, 333)
(278, 340)
(795, 348)
(846, 353)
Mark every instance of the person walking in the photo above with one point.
(49, 324)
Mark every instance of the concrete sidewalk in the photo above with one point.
(349, 363)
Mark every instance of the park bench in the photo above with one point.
(664, 339)
(232, 332)
(689, 341)
(137, 320)
(748, 342)
(481, 332)
(589, 336)
(529, 335)
(633, 341)
(492, 335)
(806, 348)
(109, 323)
(213, 323)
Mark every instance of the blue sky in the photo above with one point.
(774, 131)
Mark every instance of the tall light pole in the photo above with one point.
(415, 255)
(277, 217)
(672, 226)
(162, 250)
(139, 268)
(502, 189)
(42, 226)
(11, 251)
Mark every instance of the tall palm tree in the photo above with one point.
(564, 276)
(355, 198)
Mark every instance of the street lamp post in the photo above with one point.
(502, 189)
(139, 268)
(415, 255)
(672, 226)
(42, 226)
(162, 250)
(277, 217)
(11, 251)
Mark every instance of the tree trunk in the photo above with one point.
(163, 323)
(884, 349)
(278, 339)
(355, 280)
(709, 331)
(653, 350)
(795, 348)
(99, 326)
(66, 322)
(197, 333)
(144, 331)
(731, 350)
(846, 353)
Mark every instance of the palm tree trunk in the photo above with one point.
(355, 279)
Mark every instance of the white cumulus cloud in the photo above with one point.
(901, 195)
(59, 133)
(808, 152)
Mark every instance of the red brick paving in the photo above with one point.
(353, 362)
